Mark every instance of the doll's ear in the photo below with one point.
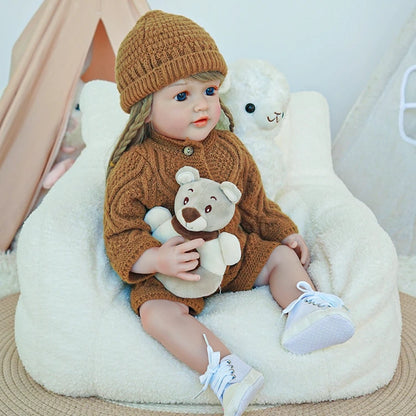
(186, 174)
(226, 84)
(231, 191)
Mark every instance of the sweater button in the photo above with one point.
(188, 150)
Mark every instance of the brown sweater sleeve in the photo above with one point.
(259, 214)
(126, 235)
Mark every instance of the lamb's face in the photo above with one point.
(202, 206)
(257, 97)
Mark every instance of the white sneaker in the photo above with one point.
(233, 381)
(315, 321)
(241, 391)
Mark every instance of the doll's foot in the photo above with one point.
(315, 321)
(233, 381)
(242, 390)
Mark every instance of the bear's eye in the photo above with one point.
(186, 200)
(208, 209)
(250, 108)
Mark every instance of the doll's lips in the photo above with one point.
(201, 122)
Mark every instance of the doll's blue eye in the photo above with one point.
(250, 108)
(210, 91)
(181, 96)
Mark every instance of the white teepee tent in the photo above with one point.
(371, 153)
(48, 60)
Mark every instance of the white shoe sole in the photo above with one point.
(318, 330)
(238, 396)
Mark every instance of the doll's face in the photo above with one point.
(187, 108)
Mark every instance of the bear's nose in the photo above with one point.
(190, 214)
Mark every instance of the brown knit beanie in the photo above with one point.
(161, 49)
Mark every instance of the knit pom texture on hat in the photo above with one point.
(161, 49)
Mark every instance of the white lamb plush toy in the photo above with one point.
(202, 207)
(257, 95)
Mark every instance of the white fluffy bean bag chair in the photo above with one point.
(75, 331)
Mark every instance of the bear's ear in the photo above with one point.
(226, 84)
(186, 174)
(231, 191)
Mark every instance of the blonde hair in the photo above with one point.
(137, 129)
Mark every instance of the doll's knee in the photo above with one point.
(157, 313)
(282, 255)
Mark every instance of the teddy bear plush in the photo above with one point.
(257, 95)
(202, 208)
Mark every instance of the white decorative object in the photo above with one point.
(258, 95)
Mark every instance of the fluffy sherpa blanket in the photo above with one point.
(77, 335)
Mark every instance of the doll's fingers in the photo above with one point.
(174, 241)
(290, 243)
(308, 261)
(190, 277)
(185, 266)
(305, 258)
(191, 265)
(192, 244)
(190, 255)
(302, 256)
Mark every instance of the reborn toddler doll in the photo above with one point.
(168, 72)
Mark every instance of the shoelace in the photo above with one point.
(218, 374)
(319, 299)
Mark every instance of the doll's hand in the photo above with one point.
(297, 243)
(174, 258)
(177, 258)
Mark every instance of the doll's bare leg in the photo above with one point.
(282, 272)
(233, 381)
(179, 332)
(315, 320)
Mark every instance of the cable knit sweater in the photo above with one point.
(144, 177)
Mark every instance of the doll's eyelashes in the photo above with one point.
(250, 108)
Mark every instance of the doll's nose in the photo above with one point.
(201, 104)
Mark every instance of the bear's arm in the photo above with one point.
(230, 248)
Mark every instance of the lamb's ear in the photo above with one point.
(226, 84)
(186, 174)
(231, 191)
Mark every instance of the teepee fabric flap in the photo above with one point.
(49, 58)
